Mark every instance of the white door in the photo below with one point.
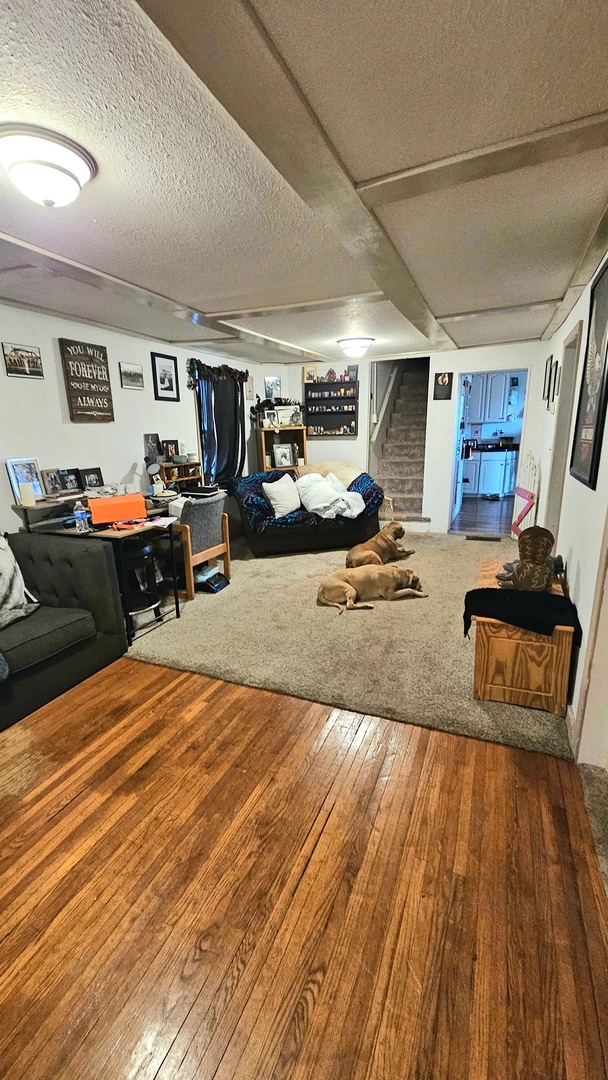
(459, 461)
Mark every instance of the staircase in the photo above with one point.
(401, 469)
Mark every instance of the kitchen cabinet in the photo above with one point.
(510, 472)
(470, 476)
(492, 474)
(488, 397)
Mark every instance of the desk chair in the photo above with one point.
(203, 528)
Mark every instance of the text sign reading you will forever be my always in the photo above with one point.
(87, 381)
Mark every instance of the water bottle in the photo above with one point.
(80, 518)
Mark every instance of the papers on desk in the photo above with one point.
(162, 522)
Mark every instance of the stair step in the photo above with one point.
(405, 436)
(407, 504)
(401, 485)
(407, 405)
(408, 451)
(401, 467)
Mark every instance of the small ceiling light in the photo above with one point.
(48, 168)
(355, 346)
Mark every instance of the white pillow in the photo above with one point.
(282, 496)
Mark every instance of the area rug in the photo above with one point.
(405, 660)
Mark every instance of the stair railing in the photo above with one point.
(383, 419)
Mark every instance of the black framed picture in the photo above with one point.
(547, 380)
(164, 374)
(70, 479)
(591, 411)
(22, 361)
(170, 447)
(442, 387)
(90, 478)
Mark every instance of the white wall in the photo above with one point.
(441, 415)
(580, 542)
(34, 415)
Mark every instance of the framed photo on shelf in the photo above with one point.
(52, 481)
(170, 447)
(152, 449)
(270, 418)
(272, 386)
(310, 373)
(591, 411)
(131, 376)
(70, 480)
(22, 361)
(90, 478)
(164, 375)
(284, 415)
(283, 455)
(352, 373)
(24, 471)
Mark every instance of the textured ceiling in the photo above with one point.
(396, 84)
(510, 239)
(184, 204)
(220, 189)
(320, 330)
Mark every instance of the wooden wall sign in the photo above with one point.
(87, 381)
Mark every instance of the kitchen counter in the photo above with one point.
(491, 448)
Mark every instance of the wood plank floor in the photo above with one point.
(204, 880)
(485, 516)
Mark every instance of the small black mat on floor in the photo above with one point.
(483, 536)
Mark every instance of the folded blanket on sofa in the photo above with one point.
(328, 497)
(15, 600)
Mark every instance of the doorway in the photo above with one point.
(489, 421)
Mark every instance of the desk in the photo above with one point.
(518, 666)
(117, 537)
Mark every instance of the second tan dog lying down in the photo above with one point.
(379, 549)
(350, 588)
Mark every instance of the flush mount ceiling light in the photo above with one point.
(48, 168)
(355, 346)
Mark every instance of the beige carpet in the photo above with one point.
(406, 660)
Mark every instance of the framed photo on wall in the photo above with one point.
(591, 411)
(131, 376)
(22, 361)
(272, 386)
(442, 387)
(164, 374)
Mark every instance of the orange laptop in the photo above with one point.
(117, 508)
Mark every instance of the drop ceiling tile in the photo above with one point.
(320, 330)
(492, 329)
(508, 240)
(396, 85)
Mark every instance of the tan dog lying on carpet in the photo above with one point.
(345, 588)
(379, 549)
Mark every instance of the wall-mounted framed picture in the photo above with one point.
(22, 361)
(164, 375)
(24, 471)
(131, 376)
(591, 411)
(87, 381)
(547, 379)
(272, 386)
(90, 478)
(310, 373)
(442, 386)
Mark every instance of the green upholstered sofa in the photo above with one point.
(78, 628)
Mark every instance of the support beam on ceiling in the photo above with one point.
(227, 46)
(565, 140)
(302, 306)
(594, 253)
(513, 309)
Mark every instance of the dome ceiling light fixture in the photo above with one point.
(355, 347)
(48, 168)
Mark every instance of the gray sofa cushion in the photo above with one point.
(43, 634)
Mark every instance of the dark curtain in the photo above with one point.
(221, 413)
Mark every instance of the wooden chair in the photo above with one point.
(203, 528)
